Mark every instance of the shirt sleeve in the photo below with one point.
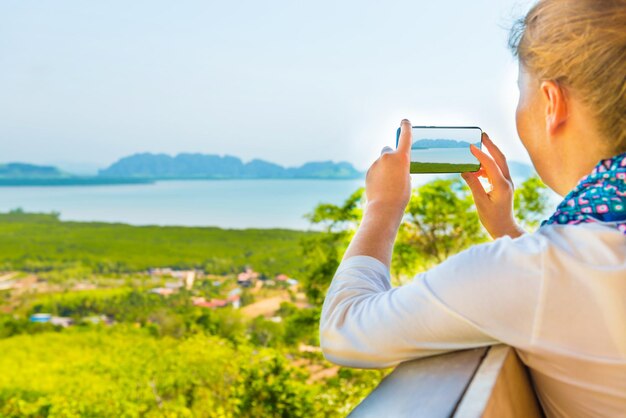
(481, 296)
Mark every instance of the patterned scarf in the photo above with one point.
(599, 197)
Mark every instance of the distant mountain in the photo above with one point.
(325, 169)
(199, 166)
(30, 171)
(145, 168)
(439, 143)
(21, 174)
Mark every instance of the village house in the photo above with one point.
(186, 277)
(163, 291)
(173, 285)
(233, 299)
(283, 278)
(98, 319)
(46, 318)
(247, 277)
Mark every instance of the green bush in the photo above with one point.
(124, 371)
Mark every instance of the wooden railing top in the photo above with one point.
(481, 382)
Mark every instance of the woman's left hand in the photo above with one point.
(388, 182)
(388, 190)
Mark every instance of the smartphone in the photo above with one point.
(443, 149)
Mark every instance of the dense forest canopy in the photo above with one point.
(131, 352)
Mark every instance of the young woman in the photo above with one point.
(557, 295)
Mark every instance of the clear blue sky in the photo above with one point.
(286, 81)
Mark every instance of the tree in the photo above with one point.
(266, 333)
(322, 252)
(440, 221)
(337, 218)
(531, 202)
(269, 387)
(302, 326)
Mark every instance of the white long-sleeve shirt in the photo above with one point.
(557, 295)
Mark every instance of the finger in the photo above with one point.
(386, 150)
(492, 170)
(478, 191)
(404, 142)
(481, 172)
(497, 155)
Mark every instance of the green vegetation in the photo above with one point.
(122, 371)
(42, 243)
(440, 220)
(161, 356)
(134, 353)
(166, 357)
(530, 203)
(417, 167)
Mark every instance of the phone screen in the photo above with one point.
(443, 149)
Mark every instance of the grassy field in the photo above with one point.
(417, 167)
(41, 242)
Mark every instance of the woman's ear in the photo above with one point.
(556, 111)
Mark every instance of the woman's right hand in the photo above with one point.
(495, 208)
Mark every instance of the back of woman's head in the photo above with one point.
(580, 44)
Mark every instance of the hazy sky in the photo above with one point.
(286, 81)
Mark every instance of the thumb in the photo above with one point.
(405, 141)
(478, 191)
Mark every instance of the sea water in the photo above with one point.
(222, 203)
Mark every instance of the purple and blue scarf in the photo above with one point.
(598, 197)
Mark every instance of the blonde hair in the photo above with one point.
(580, 44)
